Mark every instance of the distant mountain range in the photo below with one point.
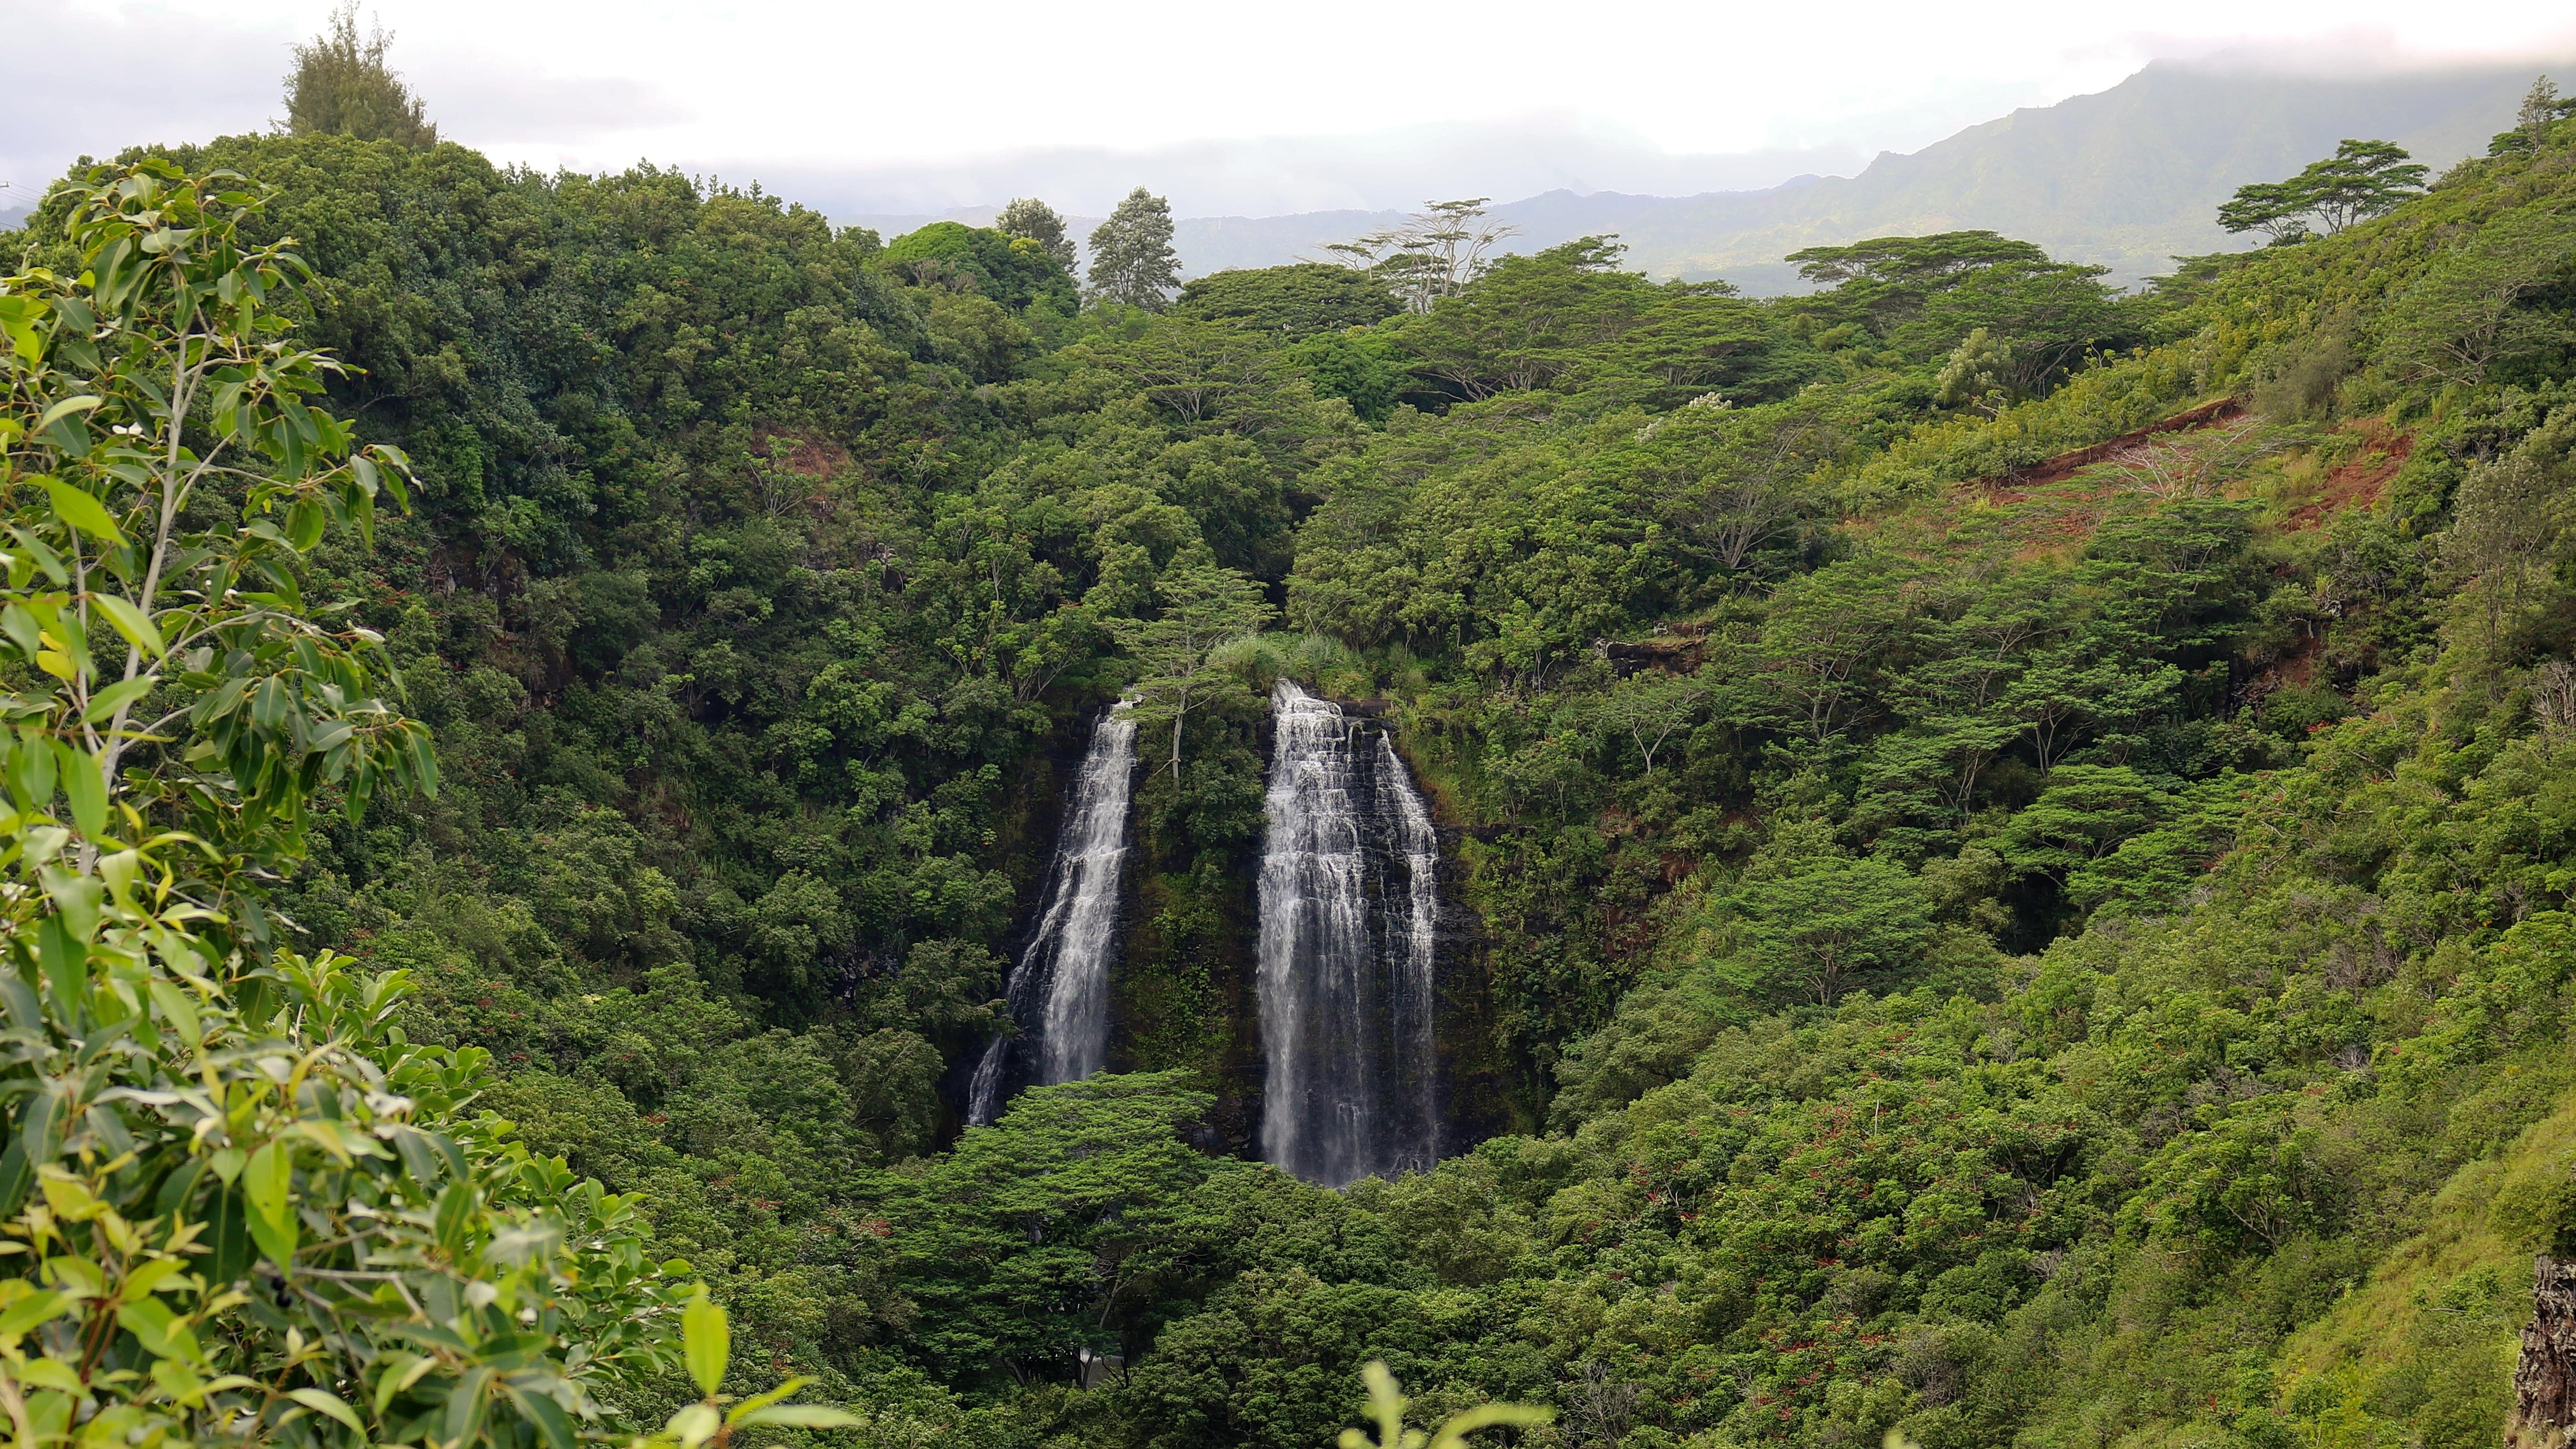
(2128, 179)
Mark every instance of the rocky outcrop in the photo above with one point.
(2544, 1382)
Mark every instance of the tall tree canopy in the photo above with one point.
(342, 85)
(2361, 180)
(1034, 220)
(1132, 260)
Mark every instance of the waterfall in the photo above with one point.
(1419, 845)
(1059, 991)
(1349, 918)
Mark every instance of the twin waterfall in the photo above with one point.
(1349, 909)
(1059, 991)
(1349, 918)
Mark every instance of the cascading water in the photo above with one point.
(1059, 991)
(1350, 913)
(1419, 933)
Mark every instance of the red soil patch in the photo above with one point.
(2356, 484)
(2009, 487)
(804, 455)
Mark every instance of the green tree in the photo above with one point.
(2509, 524)
(1979, 374)
(1738, 479)
(1289, 303)
(1433, 254)
(1700, 341)
(342, 86)
(1819, 925)
(2083, 815)
(1958, 697)
(2275, 208)
(1823, 643)
(159, 440)
(1529, 322)
(1026, 1244)
(2362, 179)
(2482, 309)
(2542, 108)
(1883, 283)
(1012, 270)
(1030, 219)
(1652, 707)
(2085, 690)
(1923, 297)
(1201, 607)
(1132, 260)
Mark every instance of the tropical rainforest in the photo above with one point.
(2014, 838)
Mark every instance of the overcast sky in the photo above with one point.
(919, 100)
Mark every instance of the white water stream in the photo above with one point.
(1059, 991)
(1349, 919)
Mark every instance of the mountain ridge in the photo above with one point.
(2126, 178)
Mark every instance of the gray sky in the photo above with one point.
(1243, 109)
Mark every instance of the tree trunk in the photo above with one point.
(2544, 1382)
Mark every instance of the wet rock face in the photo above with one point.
(1350, 916)
(2544, 1382)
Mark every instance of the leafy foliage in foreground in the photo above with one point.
(243, 1206)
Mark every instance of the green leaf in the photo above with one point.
(402, 1370)
(331, 1404)
(44, 555)
(707, 1341)
(38, 1138)
(133, 623)
(455, 1215)
(304, 520)
(84, 788)
(158, 1329)
(21, 628)
(66, 408)
(31, 774)
(465, 1405)
(104, 704)
(265, 1184)
(76, 507)
(693, 1425)
(64, 958)
(546, 1414)
(178, 1008)
(27, 1312)
(53, 1373)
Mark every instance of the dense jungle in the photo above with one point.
(2006, 844)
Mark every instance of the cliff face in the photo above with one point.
(2544, 1381)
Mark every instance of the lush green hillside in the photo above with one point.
(1996, 945)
